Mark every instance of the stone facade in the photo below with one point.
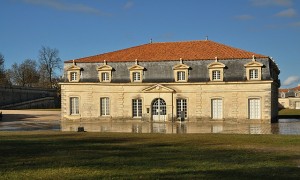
(289, 98)
(216, 89)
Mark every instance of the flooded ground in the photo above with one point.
(32, 120)
(285, 126)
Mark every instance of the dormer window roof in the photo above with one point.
(104, 72)
(73, 73)
(136, 72)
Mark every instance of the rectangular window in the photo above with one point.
(73, 76)
(104, 106)
(180, 76)
(254, 108)
(137, 108)
(136, 76)
(217, 108)
(105, 76)
(297, 105)
(253, 73)
(181, 107)
(74, 105)
(216, 75)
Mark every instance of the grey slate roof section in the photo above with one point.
(160, 72)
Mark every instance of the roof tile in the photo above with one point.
(187, 50)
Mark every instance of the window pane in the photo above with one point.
(74, 105)
(136, 76)
(105, 76)
(216, 75)
(180, 75)
(137, 108)
(217, 108)
(181, 106)
(253, 74)
(254, 109)
(73, 76)
(104, 105)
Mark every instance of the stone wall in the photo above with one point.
(12, 97)
(234, 95)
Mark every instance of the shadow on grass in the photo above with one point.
(94, 156)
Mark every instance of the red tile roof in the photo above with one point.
(283, 90)
(296, 88)
(187, 50)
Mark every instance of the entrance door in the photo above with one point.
(297, 105)
(254, 109)
(217, 108)
(159, 111)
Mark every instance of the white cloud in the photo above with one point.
(291, 80)
(287, 13)
(272, 2)
(59, 5)
(128, 5)
(244, 17)
(295, 24)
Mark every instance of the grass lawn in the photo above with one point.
(289, 112)
(72, 155)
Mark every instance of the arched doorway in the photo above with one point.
(159, 110)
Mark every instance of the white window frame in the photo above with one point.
(105, 77)
(217, 108)
(137, 108)
(74, 105)
(104, 106)
(181, 76)
(216, 75)
(181, 106)
(253, 74)
(254, 108)
(136, 76)
(73, 76)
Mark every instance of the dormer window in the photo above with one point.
(105, 77)
(136, 76)
(73, 73)
(136, 72)
(216, 75)
(216, 70)
(181, 72)
(181, 76)
(104, 72)
(253, 69)
(73, 76)
(253, 73)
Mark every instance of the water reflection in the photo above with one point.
(284, 126)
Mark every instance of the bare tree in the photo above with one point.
(3, 77)
(49, 62)
(25, 74)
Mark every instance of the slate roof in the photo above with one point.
(283, 90)
(166, 51)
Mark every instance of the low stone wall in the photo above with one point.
(14, 97)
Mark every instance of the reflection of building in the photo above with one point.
(191, 81)
(289, 98)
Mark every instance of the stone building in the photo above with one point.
(170, 81)
(289, 98)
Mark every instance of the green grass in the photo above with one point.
(67, 155)
(289, 112)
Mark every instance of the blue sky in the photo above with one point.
(79, 28)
